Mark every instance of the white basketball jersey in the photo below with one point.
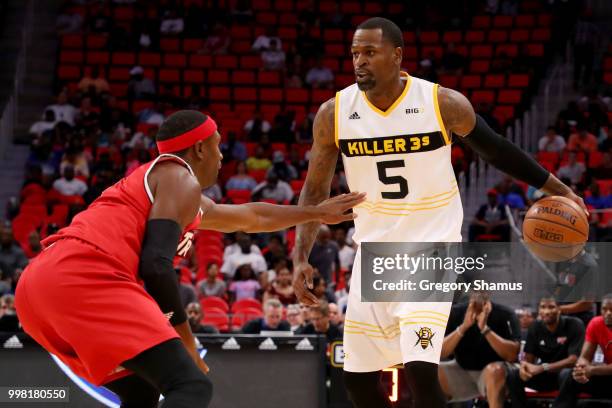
(401, 158)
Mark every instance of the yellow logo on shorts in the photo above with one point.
(424, 336)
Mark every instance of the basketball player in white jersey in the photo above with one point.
(394, 132)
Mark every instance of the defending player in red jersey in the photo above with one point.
(103, 295)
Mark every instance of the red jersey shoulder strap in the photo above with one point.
(158, 159)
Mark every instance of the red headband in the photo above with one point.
(180, 142)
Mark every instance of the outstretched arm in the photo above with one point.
(323, 158)
(459, 118)
(265, 217)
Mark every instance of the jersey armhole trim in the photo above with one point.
(336, 111)
(146, 176)
(439, 115)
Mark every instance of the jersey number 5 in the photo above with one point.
(392, 180)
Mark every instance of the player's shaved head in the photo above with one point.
(390, 31)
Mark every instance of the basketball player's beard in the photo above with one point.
(366, 85)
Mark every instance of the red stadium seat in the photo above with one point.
(271, 95)
(452, 37)
(335, 50)
(239, 194)
(245, 94)
(200, 61)
(218, 77)
(544, 20)
(502, 21)
(518, 81)
(243, 77)
(483, 96)
(245, 315)
(540, 35)
(226, 61)
(410, 52)
(449, 81)
(470, 82)
(595, 159)
(481, 22)
(510, 50)
(334, 35)
(535, 50)
(33, 194)
(409, 37)
(219, 93)
(266, 19)
(169, 75)
(350, 7)
(268, 78)
(71, 57)
(503, 113)
(482, 51)
(69, 72)
(210, 302)
(150, 59)
(241, 32)
(95, 41)
(498, 36)
(123, 13)
(434, 50)
(216, 317)
(474, 36)
(296, 96)
(296, 186)
(118, 74)
(169, 44)
(429, 37)
(519, 35)
(509, 96)
(250, 62)
(246, 304)
(72, 41)
(175, 60)
(319, 96)
(525, 21)
(97, 58)
(192, 44)
(479, 66)
(495, 81)
(605, 186)
(193, 76)
(123, 58)
(550, 157)
(258, 175)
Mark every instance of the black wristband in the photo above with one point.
(156, 268)
(504, 155)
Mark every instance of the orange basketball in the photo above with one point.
(555, 229)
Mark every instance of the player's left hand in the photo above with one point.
(578, 200)
(334, 210)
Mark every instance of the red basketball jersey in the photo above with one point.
(115, 222)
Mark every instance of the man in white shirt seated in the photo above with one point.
(64, 112)
(551, 142)
(262, 42)
(273, 58)
(244, 256)
(320, 76)
(272, 189)
(42, 126)
(68, 185)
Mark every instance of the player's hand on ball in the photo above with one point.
(334, 210)
(578, 200)
(302, 284)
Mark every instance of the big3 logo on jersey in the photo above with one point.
(424, 336)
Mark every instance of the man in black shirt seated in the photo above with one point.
(483, 337)
(272, 320)
(555, 341)
(320, 324)
(195, 316)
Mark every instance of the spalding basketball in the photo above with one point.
(555, 229)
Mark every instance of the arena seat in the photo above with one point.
(216, 317)
(243, 316)
(211, 302)
(246, 304)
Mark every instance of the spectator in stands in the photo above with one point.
(294, 317)
(272, 189)
(273, 58)
(285, 171)
(483, 337)
(502, 64)
(64, 112)
(262, 42)
(8, 315)
(490, 219)
(12, 257)
(246, 256)
(551, 142)
(596, 200)
(510, 193)
(75, 157)
(68, 21)
(346, 253)
(68, 185)
(256, 126)
(303, 134)
(93, 83)
(275, 250)
(139, 86)
(212, 285)
(241, 180)
(324, 255)
(553, 344)
(576, 280)
(320, 76)
(320, 323)
(305, 310)
(321, 290)
(99, 20)
(213, 192)
(260, 161)
(218, 42)
(245, 284)
(236, 248)
(604, 171)
(186, 290)
(195, 314)
(142, 156)
(282, 288)
(42, 126)
(33, 247)
(582, 141)
(336, 316)
(427, 69)
(233, 149)
(172, 23)
(589, 375)
(152, 115)
(342, 294)
(572, 170)
(606, 142)
(526, 317)
(272, 320)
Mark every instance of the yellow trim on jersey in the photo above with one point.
(421, 201)
(404, 211)
(371, 325)
(412, 323)
(397, 101)
(336, 110)
(438, 114)
(371, 335)
(386, 333)
(424, 317)
(425, 311)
